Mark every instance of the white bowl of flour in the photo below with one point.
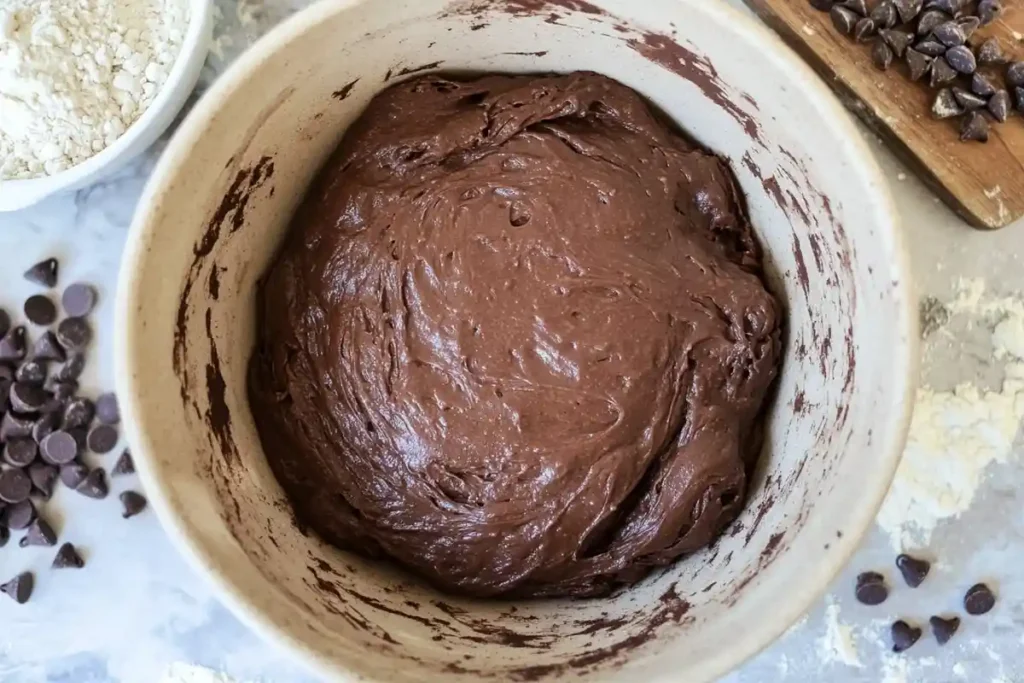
(85, 87)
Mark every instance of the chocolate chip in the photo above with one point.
(14, 427)
(908, 9)
(40, 310)
(47, 424)
(5, 322)
(81, 437)
(989, 11)
(943, 629)
(899, 41)
(102, 439)
(64, 390)
(39, 533)
(881, 55)
(59, 448)
(73, 474)
(95, 484)
(968, 100)
(67, 557)
(132, 504)
(15, 486)
(968, 25)
(871, 588)
(858, 6)
(904, 636)
(19, 588)
(884, 14)
(920, 64)
(974, 128)
(107, 410)
(931, 20)
(1015, 74)
(982, 86)
(962, 59)
(991, 52)
(43, 273)
(74, 333)
(124, 464)
(31, 372)
(28, 398)
(1020, 99)
(20, 515)
(914, 570)
(950, 34)
(78, 300)
(864, 31)
(979, 599)
(823, 5)
(12, 345)
(5, 535)
(952, 7)
(942, 73)
(931, 48)
(945, 105)
(72, 369)
(79, 412)
(47, 348)
(20, 452)
(999, 106)
(844, 19)
(43, 478)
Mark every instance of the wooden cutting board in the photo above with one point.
(984, 183)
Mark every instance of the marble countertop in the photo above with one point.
(138, 614)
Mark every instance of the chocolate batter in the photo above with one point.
(517, 338)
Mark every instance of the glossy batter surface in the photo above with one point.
(517, 339)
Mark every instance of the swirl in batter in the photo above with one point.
(517, 338)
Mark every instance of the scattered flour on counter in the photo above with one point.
(838, 644)
(190, 673)
(955, 435)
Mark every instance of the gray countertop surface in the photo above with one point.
(137, 613)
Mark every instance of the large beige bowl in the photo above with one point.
(218, 205)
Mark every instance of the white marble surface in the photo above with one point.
(137, 614)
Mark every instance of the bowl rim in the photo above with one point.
(28, 191)
(815, 583)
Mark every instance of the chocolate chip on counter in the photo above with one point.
(5, 535)
(950, 34)
(982, 86)
(20, 452)
(968, 100)
(885, 15)
(881, 55)
(40, 310)
(72, 369)
(908, 9)
(132, 504)
(15, 486)
(12, 345)
(78, 300)
(14, 427)
(102, 438)
(74, 334)
(67, 557)
(871, 588)
(823, 5)
(979, 599)
(39, 533)
(28, 398)
(858, 6)
(844, 19)
(81, 437)
(932, 48)
(945, 105)
(991, 52)
(899, 41)
(913, 570)
(864, 31)
(31, 372)
(943, 629)
(969, 25)
(1015, 74)
(79, 412)
(95, 484)
(930, 20)
(999, 106)
(942, 73)
(43, 478)
(47, 348)
(962, 59)
(19, 588)
(107, 410)
(64, 390)
(43, 273)
(47, 424)
(5, 322)
(19, 515)
(920, 64)
(73, 474)
(124, 464)
(989, 11)
(59, 448)
(904, 636)
(974, 128)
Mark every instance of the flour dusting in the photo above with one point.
(189, 673)
(838, 644)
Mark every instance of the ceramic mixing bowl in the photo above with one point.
(219, 203)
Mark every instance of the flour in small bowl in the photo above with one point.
(75, 75)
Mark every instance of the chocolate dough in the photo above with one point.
(517, 338)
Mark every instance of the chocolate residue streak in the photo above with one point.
(387, 76)
(816, 252)
(213, 284)
(345, 91)
(218, 417)
(530, 7)
(762, 510)
(416, 69)
(799, 402)
(539, 53)
(664, 51)
(477, 27)
(772, 546)
(801, 266)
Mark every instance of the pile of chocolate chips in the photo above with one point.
(871, 589)
(936, 39)
(46, 427)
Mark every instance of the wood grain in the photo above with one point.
(984, 183)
